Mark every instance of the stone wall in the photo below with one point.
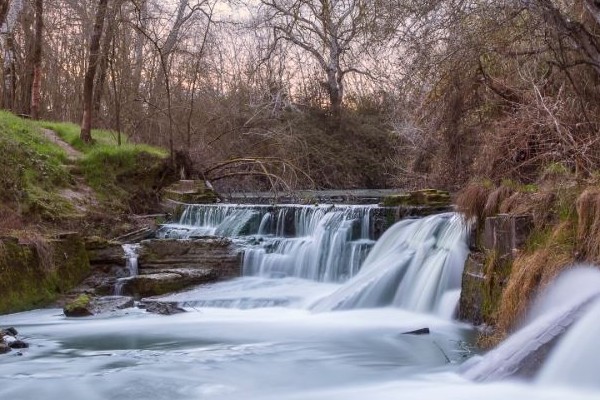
(489, 265)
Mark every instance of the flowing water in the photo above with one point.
(131, 260)
(307, 321)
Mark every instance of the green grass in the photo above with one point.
(32, 171)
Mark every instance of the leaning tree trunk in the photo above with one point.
(36, 85)
(88, 84)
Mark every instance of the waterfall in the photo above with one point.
(416, 265)
(322, 243)
(131, 258)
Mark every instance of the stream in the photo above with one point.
(302, 323)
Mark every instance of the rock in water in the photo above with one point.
(80, 307)
(163, 308)
(18, 344)
(10, 331)
(422, 331)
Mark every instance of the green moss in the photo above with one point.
(28, 281)
(427, 197)
(125, 178)
(78, 307)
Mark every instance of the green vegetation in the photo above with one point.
(123, 177)
(33, 172)
(34, 271)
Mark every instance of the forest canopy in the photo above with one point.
(353, 93)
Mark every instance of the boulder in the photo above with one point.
(80, 307)
(4, 348)
(104, 252)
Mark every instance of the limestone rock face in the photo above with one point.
(219, 255)
(160, 283)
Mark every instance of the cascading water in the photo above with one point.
(131, 258)
(571, 304)
(416, 265)
(321, 243)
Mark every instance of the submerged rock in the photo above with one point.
(163, 308)
(84, 305)
(422, 331)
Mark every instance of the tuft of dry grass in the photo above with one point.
(588, 224)
(531, 272)
(43, 248)
(472, 200)
(495, 200)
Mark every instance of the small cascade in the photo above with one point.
(416, 265)
(131, 257)
(322, 243)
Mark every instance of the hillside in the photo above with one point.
(52, 181)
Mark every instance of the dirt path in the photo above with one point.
(72, 154)
(80, 195)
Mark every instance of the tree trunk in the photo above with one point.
(3, 11)
(104, 54)
(13, 10)
(36, 86)
(90, 75)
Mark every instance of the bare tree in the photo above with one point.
(88, 86)
(329, 31)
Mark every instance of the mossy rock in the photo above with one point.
(426, 197)
(80, 307)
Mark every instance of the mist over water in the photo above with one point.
(304, 323)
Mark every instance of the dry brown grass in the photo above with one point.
(588, 225)
(495, 199)
(43, 248)
(531, 272)
(472, 200)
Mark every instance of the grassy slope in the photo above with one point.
(34, 172)
(123, 176)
